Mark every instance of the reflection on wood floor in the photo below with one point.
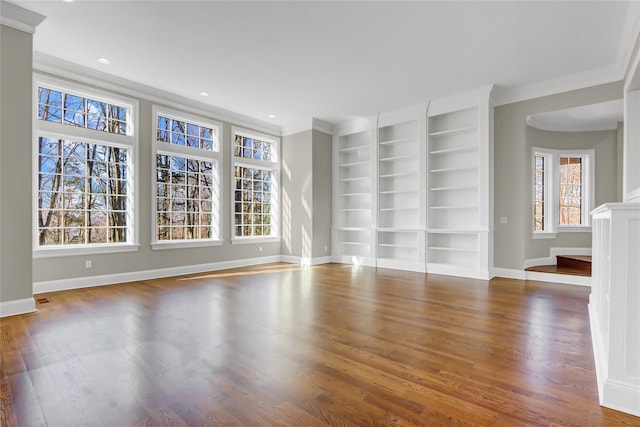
(327, 345)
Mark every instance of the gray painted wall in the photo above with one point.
(306, 194)
(297, 194)
(321, 194)
(512, 192)
(15, 168)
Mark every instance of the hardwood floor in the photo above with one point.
(328, 345)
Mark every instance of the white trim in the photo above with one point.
(553, 253)
(49, 64)
(19, 18)
(565, 279)
(305, 261)
(274, 166)
(532, 262)
(215, 157)
(394, 264)
(457, 271)
(543, 235)
(305, 125)
(112, 279)
(18, 306)
(633, 196)
(249, 240)
(630, 34)
(360, 125)
(183, 244)
(130, 141)
(89, 249)
(621, 396)
(551, 190)
(322, 126)
(595, 77)
(508, 273)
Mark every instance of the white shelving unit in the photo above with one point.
(412, 191)
(459, 153)
(353, 201)
(401, 193)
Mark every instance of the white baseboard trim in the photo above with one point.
(553, 253)
(508, 273)
(306, 261)
(348, 259)
(621, 396)
(457, 271)
(112, 279)
(564, 279)
(402, 265)
(15, 307)
(598, 349)
(533, 262)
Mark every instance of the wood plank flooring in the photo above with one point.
(285, 345)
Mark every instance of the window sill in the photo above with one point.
(250, 240)
(60, 251)
(184, 244)
(574, 229)
(545, 235)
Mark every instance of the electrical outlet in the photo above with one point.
(260, 248)
(88, 264)
(503, 220)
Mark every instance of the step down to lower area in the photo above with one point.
(576, 265)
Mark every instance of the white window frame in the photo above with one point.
(129, 141)
(213, 156)
(552, 188)
(274, 167)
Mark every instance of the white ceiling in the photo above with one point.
(341, 60)
(594, 117)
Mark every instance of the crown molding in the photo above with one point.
(508, 95)
(630, 32)
(58, 67)
(19, 18)
(322, 126)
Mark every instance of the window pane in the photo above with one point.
(183, 196)
(252, 148)
(73, 110)
(79, 188)
(538, 215)
(570, 197)
(250, 203)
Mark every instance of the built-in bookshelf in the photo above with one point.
(458, 183)
(400, 172)
(353, 239)
(412, 190)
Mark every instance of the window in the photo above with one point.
(563, 184)
(255, 186)
(539, 184)
(570, 197)
(187, 188)
(84, 170)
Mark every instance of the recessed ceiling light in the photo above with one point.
(204, 94)
(272, 116)
(67, 1)
(103, 61)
